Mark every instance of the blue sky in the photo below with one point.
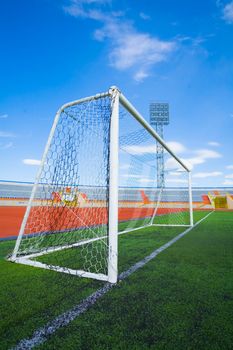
(175, 51)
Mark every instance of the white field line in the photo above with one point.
(41, 335)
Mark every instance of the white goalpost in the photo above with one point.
(98, 179)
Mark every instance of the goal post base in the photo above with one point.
(80, 273)
(171, 225)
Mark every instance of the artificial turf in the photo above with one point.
(182, 299)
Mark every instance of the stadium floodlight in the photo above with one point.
(97, 179)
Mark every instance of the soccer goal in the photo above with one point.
(98, 179)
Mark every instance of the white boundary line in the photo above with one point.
(41, 335)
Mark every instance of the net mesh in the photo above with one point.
(142, 201)
(70, 205)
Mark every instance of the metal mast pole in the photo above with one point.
(160, 158)
(159, 116)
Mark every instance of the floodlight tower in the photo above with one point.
(159, 116)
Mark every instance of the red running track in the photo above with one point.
(44, 219)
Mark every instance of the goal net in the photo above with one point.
(98, 179)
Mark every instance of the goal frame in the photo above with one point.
(117, 98)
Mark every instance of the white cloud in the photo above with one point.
(6, 134)
(176, 147)
(207, 154)
(201, 156)
(228, 12)
(172, 164)
(80, 8)
(135, 50)
(229, 176)
(132, 50)
(213, 143)
(194, 161)
(175, 173)
(145, 180)
(140, 150)
(144, 16)
(129, 49)
(91, 9)
(4, 116)
(194, 43)
(227, 182)
(31, 161)
(205, 175)
(140, 76)
(229, 167)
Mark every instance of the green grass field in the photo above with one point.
(183, 299)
